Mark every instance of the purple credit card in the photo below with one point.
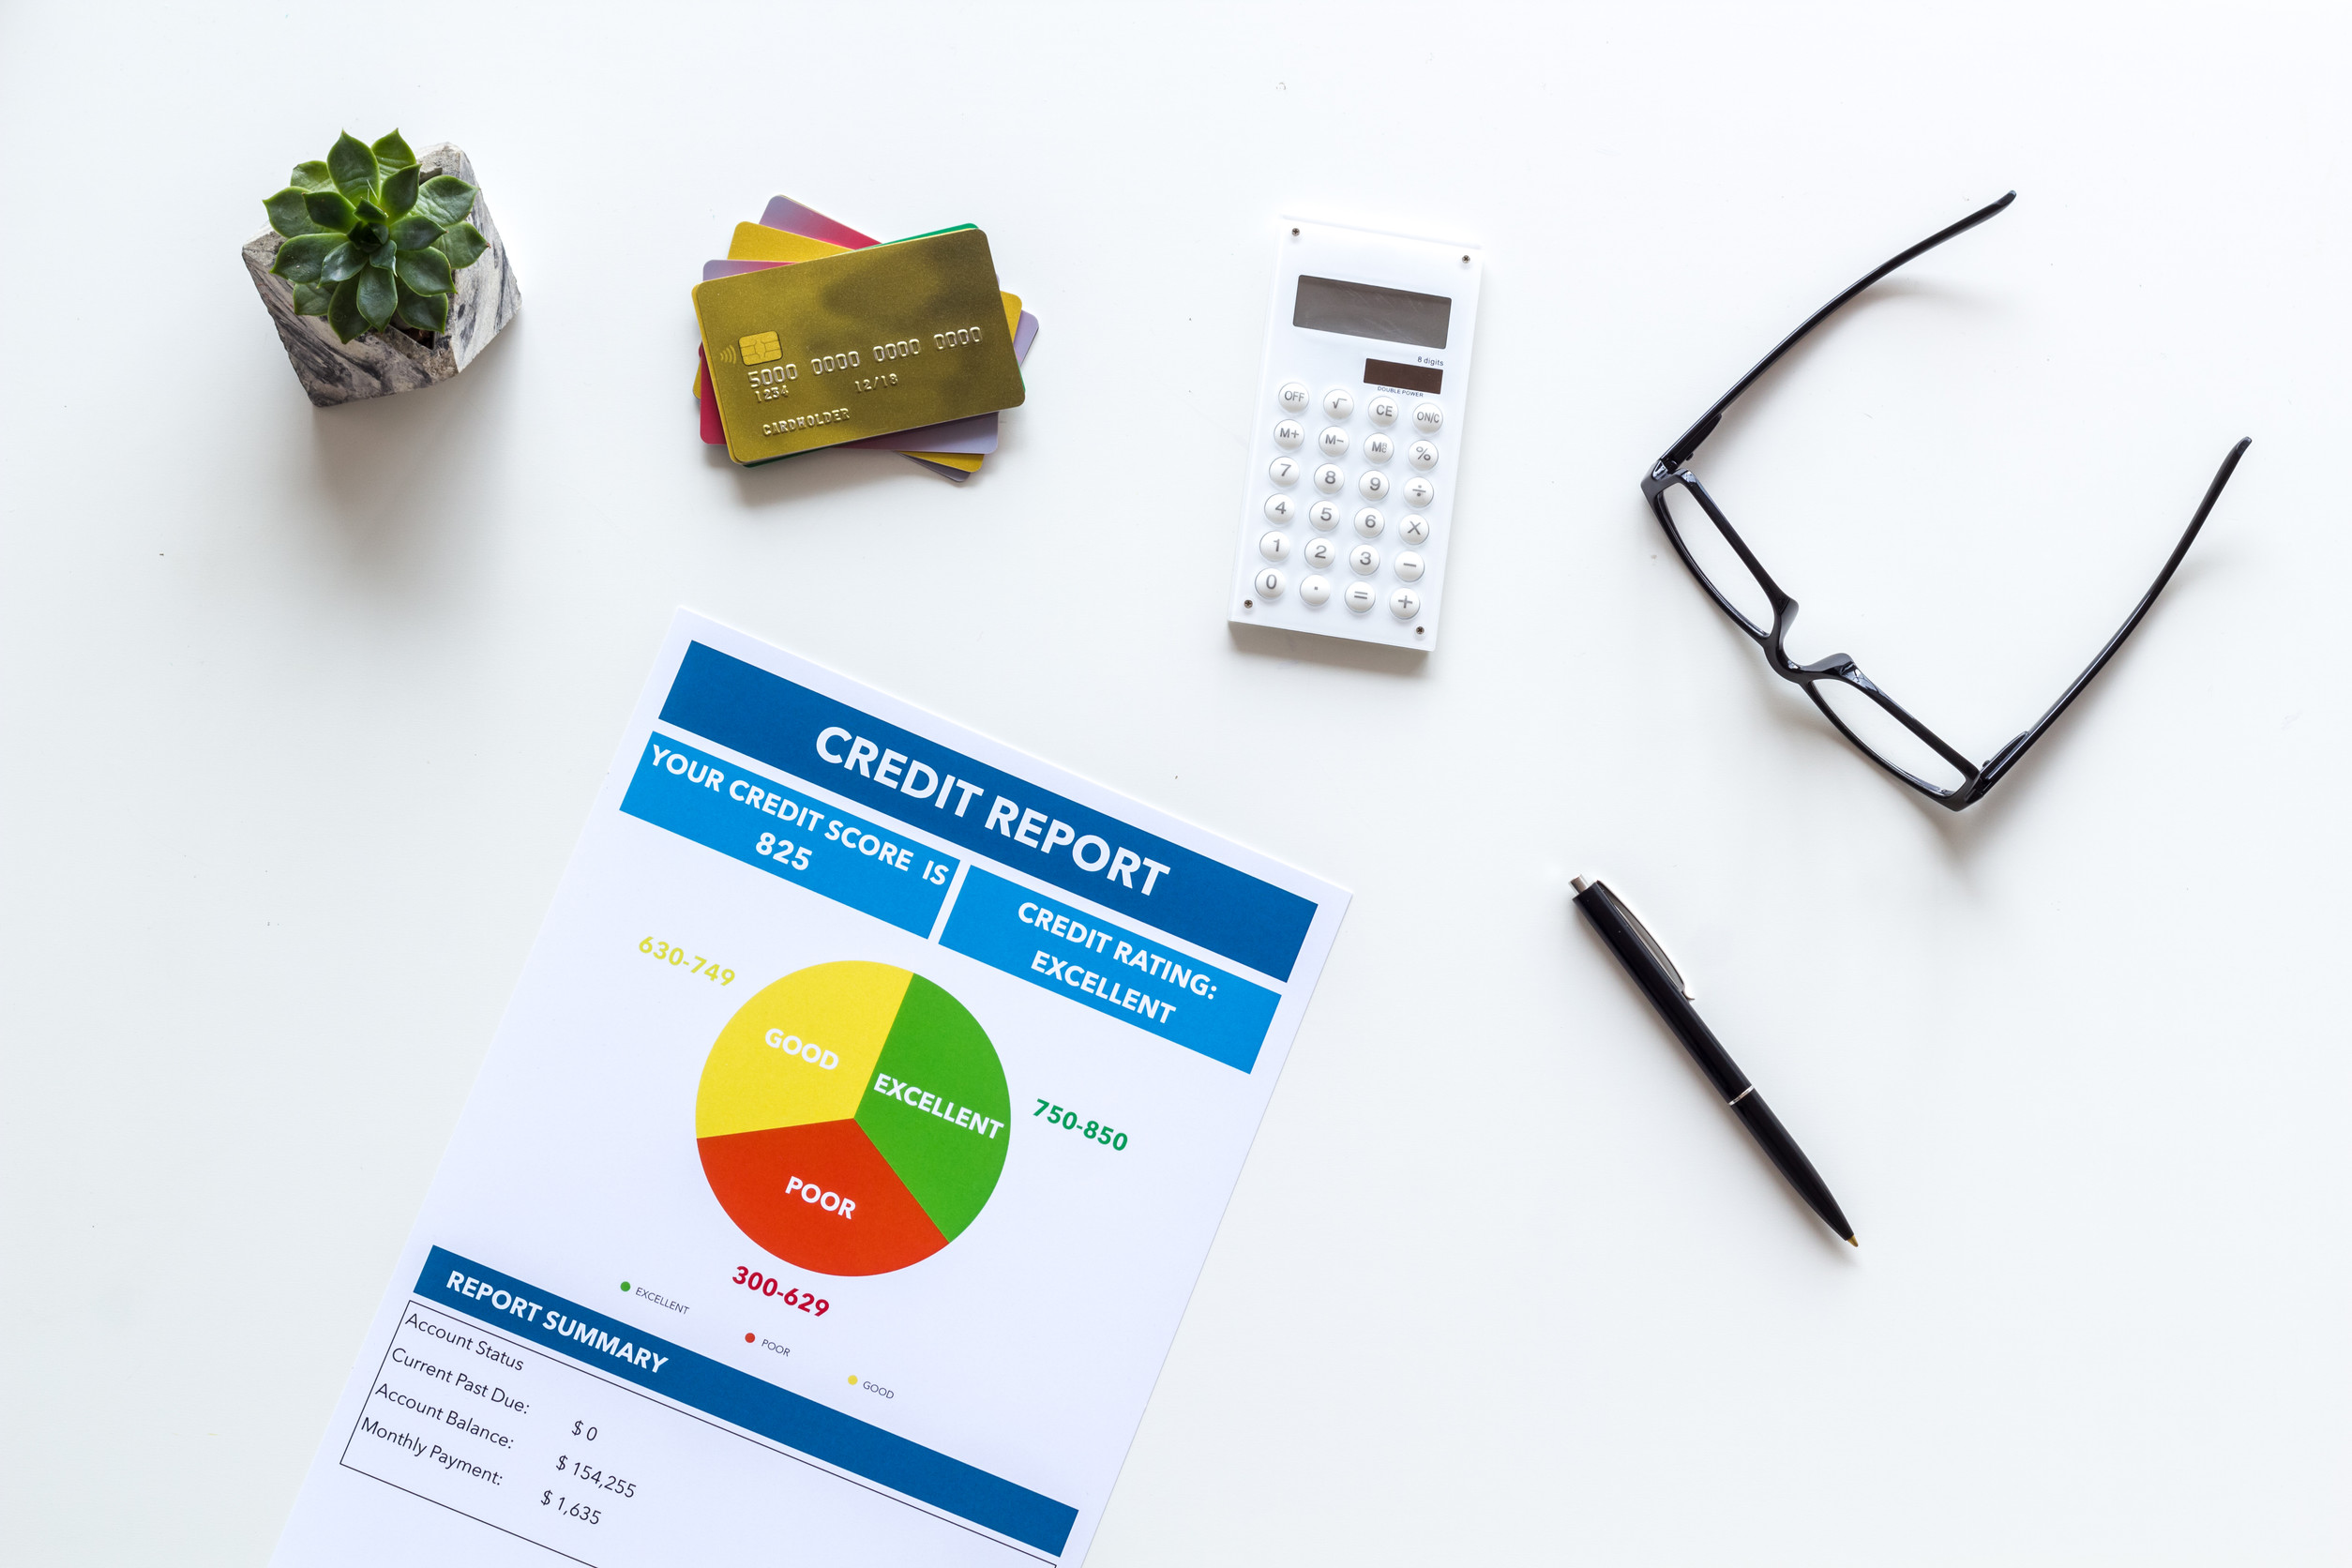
(790, 216)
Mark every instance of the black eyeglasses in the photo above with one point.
(1737, 581)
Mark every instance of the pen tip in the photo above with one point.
(1850, 1242)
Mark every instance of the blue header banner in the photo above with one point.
(820, 1431)
(990, 811)
(1099, 965)
(788, 834)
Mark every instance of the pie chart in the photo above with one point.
(852, 1118)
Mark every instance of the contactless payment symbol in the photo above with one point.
(852, 1118)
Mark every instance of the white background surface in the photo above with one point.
(304, 711)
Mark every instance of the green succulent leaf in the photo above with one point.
(427, 272)
(312, 176)
(425, 313)
(329, 211)
(377, 295)
(368, 212)
(400, 189)
(445, 199)
(301, 258)
(385, 257)
(463, 245)
(352, 165)
(414, 234)
(289, 212)
(346, 260)
(342, 312)
(311, 299)
(392, 153)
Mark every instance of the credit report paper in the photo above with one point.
(840, 1169)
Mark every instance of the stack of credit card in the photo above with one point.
(815, 335)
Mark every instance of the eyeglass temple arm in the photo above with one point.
(2005, 758)
(1679, 453)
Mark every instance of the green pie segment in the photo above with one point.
(937, 1109)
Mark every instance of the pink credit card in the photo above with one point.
(794, 218)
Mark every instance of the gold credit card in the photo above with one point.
(860, 344)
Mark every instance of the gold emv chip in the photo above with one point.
(760, 348)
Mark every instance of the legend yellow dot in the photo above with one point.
(852, 1380)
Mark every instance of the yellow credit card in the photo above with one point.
(757, 242)
(859, 345)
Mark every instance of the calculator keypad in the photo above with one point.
(1371, 424)
(1377, 579)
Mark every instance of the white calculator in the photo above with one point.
(1348, 506)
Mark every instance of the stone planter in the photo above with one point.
(382, 363)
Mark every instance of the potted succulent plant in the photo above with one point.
(382, 269)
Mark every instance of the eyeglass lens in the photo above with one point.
(1883, 735)
(1717, 562)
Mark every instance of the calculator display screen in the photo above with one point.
(1368, 310)
(1406, 378)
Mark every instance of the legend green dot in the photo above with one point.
(624, 1285)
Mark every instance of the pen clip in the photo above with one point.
(1657, 948)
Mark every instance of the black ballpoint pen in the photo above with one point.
(1663, 983)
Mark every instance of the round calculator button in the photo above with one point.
(1320, 554)
(1289, 433)
(1334, 442)
(1420, 491)
(1378, 448)
(1315, 591)
(1284, 471)
(1409, 567)
(1421, 454)
(1280, 508)
(1268, 583)
(1337, 403)
(1404, 603)
(1292, 397)
(1428, 418)
(1360, 596)
(1365, 560)
(1328, 479)
(1370, 522)
(1324, 515)
(1413, 530)
(1274, 547)
(1381, 410)
(1374, 484)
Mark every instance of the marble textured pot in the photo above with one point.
(382, 363)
